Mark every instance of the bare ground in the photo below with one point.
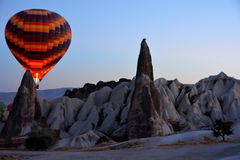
(139, 152)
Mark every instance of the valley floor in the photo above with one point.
(222, 151)
(191, 145)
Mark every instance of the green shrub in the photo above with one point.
(2, 109)
(221, 129)
(2, 106)
(40, 140)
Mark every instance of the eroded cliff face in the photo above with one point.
(127, 109)
(25, 109)
(157, 107)
(212, 98)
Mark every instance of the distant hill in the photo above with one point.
(49, 94)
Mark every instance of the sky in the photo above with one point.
(188, 40)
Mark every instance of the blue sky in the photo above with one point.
(188, 39)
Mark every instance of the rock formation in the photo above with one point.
(126, 109)
(60, 113)
(145, 117)
(25, 109)
(141, 107)
(169, 91)
(104, 111)
(215, 97)
(144, 65)
(88, 139)
(185, 107)
(88, 88)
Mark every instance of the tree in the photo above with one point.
(40, 138)
(221, 129)
(2, 109)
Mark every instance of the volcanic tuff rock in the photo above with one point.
(88, 88)
(142, 107)
(172, 106)
(169, 91)
(145, 117)
(60, 113)
(87, 139)
(137, 108)
(26, 108)
(185, 107)
(144, 66)
(104, 111)
(211, 98)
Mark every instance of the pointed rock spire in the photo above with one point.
(145, 61)
(25, 110)
(222, 75)
(145, 116)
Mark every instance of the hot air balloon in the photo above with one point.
(38, 39)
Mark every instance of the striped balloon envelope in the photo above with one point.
(38, 39)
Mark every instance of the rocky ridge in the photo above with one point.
(103, 110)
(185, 107)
